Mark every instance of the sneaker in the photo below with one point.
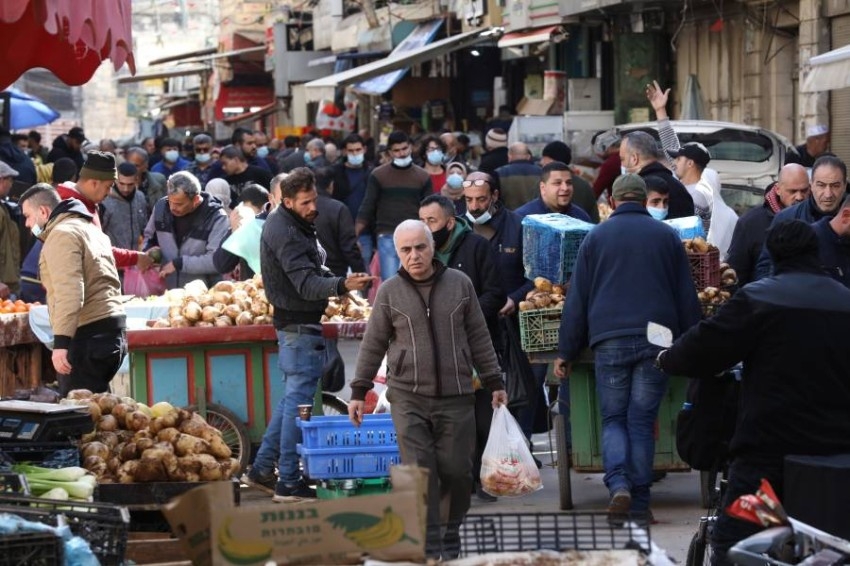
(484, 496)
(265, 483)
(291, 493)
(618, 508)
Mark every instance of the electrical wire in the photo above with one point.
(681, 25)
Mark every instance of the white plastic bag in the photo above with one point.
(507, 467)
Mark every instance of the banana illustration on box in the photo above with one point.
(369, 531)
(242, 551)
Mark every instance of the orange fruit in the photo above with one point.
(21, 308)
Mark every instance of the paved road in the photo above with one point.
(675, 499)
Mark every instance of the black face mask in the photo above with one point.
(441, 236)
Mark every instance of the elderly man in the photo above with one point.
(314, 154)
(298, 286)
(829, 185)
(791, 188)
(639, 154)
(520, 178)
(793, 403)
(151, 184)
(393, 193)
(621, 264)
(817, 143)
(429, 324)
(187, 226)
(496, 154)
(555, 189)
(83, 291)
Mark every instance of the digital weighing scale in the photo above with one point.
(29, 421)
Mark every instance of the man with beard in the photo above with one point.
(125, 209)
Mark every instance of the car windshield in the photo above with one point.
(726, 144)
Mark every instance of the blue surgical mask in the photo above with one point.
(455, 180)
(623, 170)
(202, 157)
(172, 155)
(657, 213)
(355, 160)
(403, 161)
(435, 157)
(263, 151)
(37, 230)
(307, 158)
(483, 219)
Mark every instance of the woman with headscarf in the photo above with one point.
(453, 187)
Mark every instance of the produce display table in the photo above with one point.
(21, 354)
(230, 375)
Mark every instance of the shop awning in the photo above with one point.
(829, 71)
(324, 88)
(421, 36)
(164, 73)
(270, 108)
(527, 37)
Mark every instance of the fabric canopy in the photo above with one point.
(68, 37)
(830, 70)
(27, 111)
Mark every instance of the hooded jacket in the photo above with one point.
(431, 351)
(681, 201)
(193, 256)
(124, 219)
(78, 270)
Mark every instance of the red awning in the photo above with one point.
(69, 37)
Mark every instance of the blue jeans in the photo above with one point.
(630, 390)
(300, 359)
(387, 256)
(367, 248)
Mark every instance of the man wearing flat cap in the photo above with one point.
(817, 143)
(97, 177)
(83, 291)
(630, 270)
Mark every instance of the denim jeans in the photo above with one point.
(300, 359)
(367, 248)
(630, 390)
(387, 256)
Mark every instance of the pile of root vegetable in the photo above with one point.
(229, 303)
(136, 443)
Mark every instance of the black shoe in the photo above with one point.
(295, 492)
(484, 496)
(451, 544)
(657, 475)
(266, 483)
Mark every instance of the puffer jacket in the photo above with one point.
(124, 219)
(431, 350)
(78, 271)
(193, 256)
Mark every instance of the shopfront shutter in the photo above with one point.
(839, 100)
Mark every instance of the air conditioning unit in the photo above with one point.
(584, 94)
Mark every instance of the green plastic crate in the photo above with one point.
(337, 489)
(539, 329)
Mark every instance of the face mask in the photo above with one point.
(441, 236)
(355, 160)
(435, 157)
(623, 170)
(172, 155)
(403, 161)
(483, 219)
(455, 180)
(307, 157)
(262, 152)
(37, 230)
(202, 157)
(657, 213)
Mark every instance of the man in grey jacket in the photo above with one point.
(188, 227)
(430, 326)
(125, 209)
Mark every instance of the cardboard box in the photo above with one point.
(537, 107)
(388, 527)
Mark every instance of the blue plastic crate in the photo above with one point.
(688, 227)
(347, 463)
(550, 245)
(337, 431)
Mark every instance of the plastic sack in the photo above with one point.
(143, 283)
(507, 466)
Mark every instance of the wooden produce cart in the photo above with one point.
(229, 375)
(21, 355)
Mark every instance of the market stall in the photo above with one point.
(24, 362)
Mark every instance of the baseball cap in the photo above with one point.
(6, 170)
(695, 151)
(816, 130)
(629, 187)
(77, 133)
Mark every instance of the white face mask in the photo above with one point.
(36, 230)
(202, 157)
(402, 161)
(172, 155)
(623, 170)
(483, 219)
(657, 213)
